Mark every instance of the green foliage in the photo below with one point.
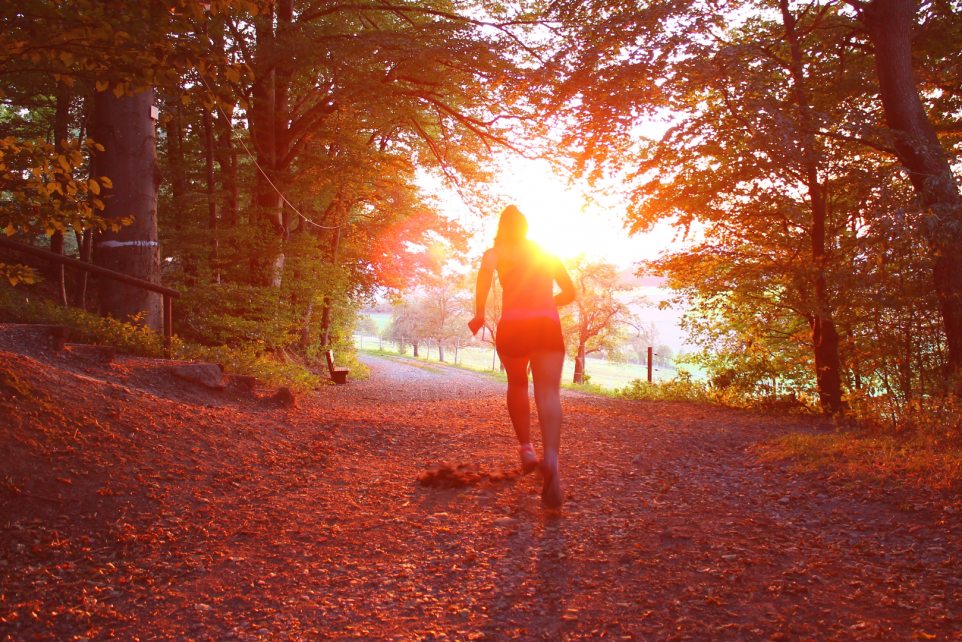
(683, 387)
(19, 274)
(883, 440)
(135, 339)
(680, 388)
(249, 359)
(129, 338)
(367, 325)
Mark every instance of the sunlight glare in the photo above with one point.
(562, 222)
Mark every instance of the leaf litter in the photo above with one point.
(134, 506)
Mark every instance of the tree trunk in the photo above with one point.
(227, 158)
(126, 130)
(415, 345)
(211, 202)
(269, 120)
(85, 239)
(890, 24)
(84, 244)
(440, 352)
(580, 364)
(61, 133)
(175, 150)
(328, 301)
(828, 368)
(306, 328)
(225, 152)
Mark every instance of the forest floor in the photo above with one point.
(135, 506)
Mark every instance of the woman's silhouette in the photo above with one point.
(529, 333)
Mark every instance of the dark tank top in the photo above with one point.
(528, 284)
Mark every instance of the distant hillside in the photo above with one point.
(628, 275)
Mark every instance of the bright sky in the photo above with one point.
(560, 220)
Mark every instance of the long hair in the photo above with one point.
(512, 227)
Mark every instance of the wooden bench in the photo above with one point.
(338, 375)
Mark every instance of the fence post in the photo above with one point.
(380, 341)
(457, 344)
(651, 352)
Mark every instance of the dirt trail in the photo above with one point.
(141, 515)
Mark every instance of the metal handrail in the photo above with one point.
(167, 293)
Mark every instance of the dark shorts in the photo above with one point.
(520, 337)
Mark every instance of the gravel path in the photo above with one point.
(256, 522)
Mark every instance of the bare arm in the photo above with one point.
(485, 277)
(568, 293)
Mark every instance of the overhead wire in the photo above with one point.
(261, 169)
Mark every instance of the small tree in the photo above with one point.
(598, 321)
(406, 325)
(645, 335)
(665, 355)
(367, 325)
(442, 310)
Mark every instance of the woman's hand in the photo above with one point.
(476, 323)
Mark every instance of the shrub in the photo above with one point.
(138, 340)
(879, 438)
(680, 388)
(128, 338)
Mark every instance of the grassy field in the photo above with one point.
(603, 373)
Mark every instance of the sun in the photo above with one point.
(558, 218)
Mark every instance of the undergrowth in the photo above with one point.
(138, 340)
(878, 439)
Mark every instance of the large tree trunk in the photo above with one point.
(828, 367)
(269, 123)
(126, 130)
(890, 24)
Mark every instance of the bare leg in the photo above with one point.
(519, 408)
(546, 371)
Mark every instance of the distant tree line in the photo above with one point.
(602, 322)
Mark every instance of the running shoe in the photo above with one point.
(551, 493)
(529, 461)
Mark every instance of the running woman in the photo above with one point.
(529, 333)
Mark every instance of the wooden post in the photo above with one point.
(457, 344)
(651, 352)
(168, 326)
